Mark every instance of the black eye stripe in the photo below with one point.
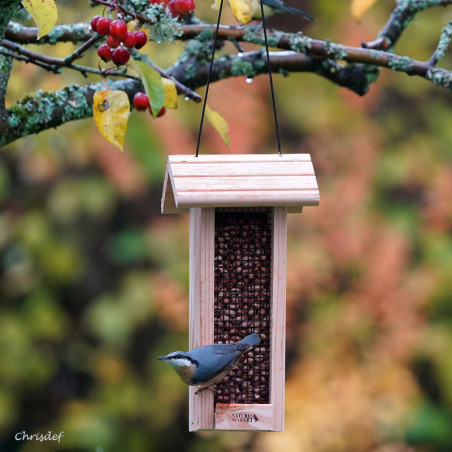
(188, 358)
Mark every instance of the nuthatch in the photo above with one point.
(208, 365)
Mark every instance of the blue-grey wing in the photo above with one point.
(212, 360)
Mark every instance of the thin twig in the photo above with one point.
(27, 60)
(49, 63)
(78, 53)
(124, 10)
(181, 88)
(443, 44)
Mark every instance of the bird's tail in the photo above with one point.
(248, 342)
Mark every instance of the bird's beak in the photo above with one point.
(163, 358)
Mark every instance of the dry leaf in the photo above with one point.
(111, 111)
(44, 13)
(219, 123)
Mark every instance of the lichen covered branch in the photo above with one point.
(45, 110)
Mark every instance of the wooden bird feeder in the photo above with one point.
(238, 207)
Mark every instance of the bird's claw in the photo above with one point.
(203, 388)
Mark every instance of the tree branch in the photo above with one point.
(20, 34)
(8, 8)
(251, 64)
(52, 109)
(400, 18)
(5, 69)
(330, 51)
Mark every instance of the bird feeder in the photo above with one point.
(238, 207)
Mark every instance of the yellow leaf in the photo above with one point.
(359, 7)
(219, 123)
(111, 110)
(44, 13)
(170, 93)
(242, 10)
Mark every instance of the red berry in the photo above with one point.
(141, 101)
(184, 7)
(103, 26)
(94, 21)
(113, 42)
(104, 52)
(140, 38)
(118, 29)
(172, 8)
(120, 56)
(129, 40)
(161, 112)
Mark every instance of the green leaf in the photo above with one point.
(153, 85)
(219, 123)
(44, 13)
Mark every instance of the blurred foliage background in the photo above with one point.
(94, 280)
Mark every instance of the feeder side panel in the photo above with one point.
(278, 338)
(201, 306)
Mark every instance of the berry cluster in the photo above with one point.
(119, 39)
(141, 103)
(177, 8)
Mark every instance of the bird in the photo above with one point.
(207, 365)
(275, 6)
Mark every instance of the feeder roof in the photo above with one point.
(239, 181)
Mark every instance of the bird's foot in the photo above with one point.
(203, 388)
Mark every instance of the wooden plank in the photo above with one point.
(249, 183)
(251, 198)
(278, 325)
(240, 158)
(242, 417)
(201, 310)
(242, 169)
(167, 192)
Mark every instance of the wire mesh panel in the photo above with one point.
(242, 298)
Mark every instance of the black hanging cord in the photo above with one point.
(278, 139)
(208, 79)
(271, 79)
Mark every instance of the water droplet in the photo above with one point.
(186, 99)
(240, 54)
(159, 42)
(249, 80)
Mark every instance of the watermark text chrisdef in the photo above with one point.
(24, 436)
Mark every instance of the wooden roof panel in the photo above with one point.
(239, 180)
